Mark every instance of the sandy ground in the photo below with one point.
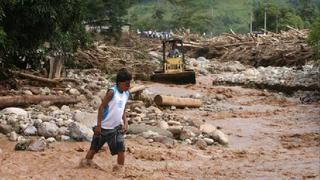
(271, 137)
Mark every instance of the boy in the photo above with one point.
(112, 122)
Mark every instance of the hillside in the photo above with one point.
(210, 16)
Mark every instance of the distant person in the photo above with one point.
(112, 122)
(174, 52)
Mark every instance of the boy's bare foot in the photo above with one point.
(88, 163)
(119, 169)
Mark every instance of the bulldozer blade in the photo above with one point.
(186, 77)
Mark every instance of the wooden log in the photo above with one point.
(163, 100)
(33, 77)
(137, 88)
(8, 101)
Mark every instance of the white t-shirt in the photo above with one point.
(113, 112)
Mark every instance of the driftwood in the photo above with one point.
(44, 80)
(162, 100)
(137, 88)
(288, 48)
(8, 101)
(37, 78)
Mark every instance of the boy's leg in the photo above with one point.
(90, 154)
(120, 158)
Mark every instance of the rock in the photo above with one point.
(74, 92)
(43, 117)
(154, 109)
(13, 136)
(21, 139)
(149, 134)
(5, 128)
(51, 140)
(163, 125)
(27, 92)
(80, 132)
(30, 131)
(65, 108)
(95, 102)
(38, 145)
(188, 141)
(174, 123)
(140, 128)
(173, 108)
(48, 129)
(85, 118)
(63, 130)
(37, 122)
(164, 140)
(17, 111)
(193, 129)
(45, 91)
(220, 97)
(201, 58)
(201, 144)
(219, 136)
(186, 134)
(138, 110)
(207, 128)
(209, 141)
(92, 86)
(65, 138)
(175, 130)
(22, 146)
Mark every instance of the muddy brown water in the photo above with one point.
(270, 137)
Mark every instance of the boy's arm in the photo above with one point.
(125, 121)
(107, 98)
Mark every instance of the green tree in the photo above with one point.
(314, 37)
(277, 17)
(29, 24)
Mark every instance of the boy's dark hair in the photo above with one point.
(123, 75)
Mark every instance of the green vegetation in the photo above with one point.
(30, 30)
(314, 37)
(220, 16)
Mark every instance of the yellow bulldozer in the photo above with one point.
(173, 65)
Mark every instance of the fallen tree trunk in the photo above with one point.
(162, 100)
(137, 88)
(8, 101)
(30, 76)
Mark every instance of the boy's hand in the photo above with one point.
(125, 128)
(97, 130)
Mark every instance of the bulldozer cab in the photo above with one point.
(173, 56)
(173, 65)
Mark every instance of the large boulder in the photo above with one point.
(30, 131)
(14, 110)
(5, 128)
(38, 145)
(80, 132)
(48, 129)
(85, 118)
(219, 136)
(140, 128)
(207, 128)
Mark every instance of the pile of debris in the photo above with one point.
(288, 48)
(285, 79)
(110, 59)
